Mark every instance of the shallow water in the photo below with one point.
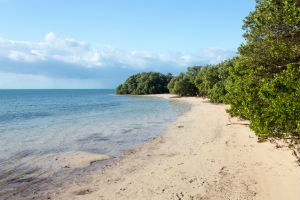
(37, 123)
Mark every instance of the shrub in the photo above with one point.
(145, 83)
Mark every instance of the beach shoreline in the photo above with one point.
(204, 154)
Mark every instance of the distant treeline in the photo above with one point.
(145, 83)
(262, 84)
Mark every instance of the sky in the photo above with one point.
(99, 43)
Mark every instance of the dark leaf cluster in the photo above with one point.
(145, 83)
(206, 81)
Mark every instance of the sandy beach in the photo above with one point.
(204, 154)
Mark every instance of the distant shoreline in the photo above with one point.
(204, 154)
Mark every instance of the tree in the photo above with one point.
(145, 83)
(272, 34)
(263, 83)
(280, 115)
(182, 86)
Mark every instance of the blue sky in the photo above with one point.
(99, 43)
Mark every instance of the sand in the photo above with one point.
(73, 159)
(204, 154)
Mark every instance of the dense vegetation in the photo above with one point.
(206, 81)
(182, 85)
(145, 83)
(262, 84)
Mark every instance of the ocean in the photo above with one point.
(37, 123)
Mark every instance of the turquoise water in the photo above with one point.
(39, 122)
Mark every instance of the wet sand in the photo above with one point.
(204, 154)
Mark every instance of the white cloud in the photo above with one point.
(51, 49)
(67, 58)
(21, 56)
(49, 37)
(71, 51)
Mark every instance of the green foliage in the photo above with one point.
(182, 85)
(280, 114)
(119, 89)
(242, 88)
(206, 78)
(192, 72)
(263, 84)
(217, 92)
(272, 35)
(210, 80)
(145, 83)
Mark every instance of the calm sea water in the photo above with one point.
(39, 122)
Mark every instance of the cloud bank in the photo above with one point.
(58, 62)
